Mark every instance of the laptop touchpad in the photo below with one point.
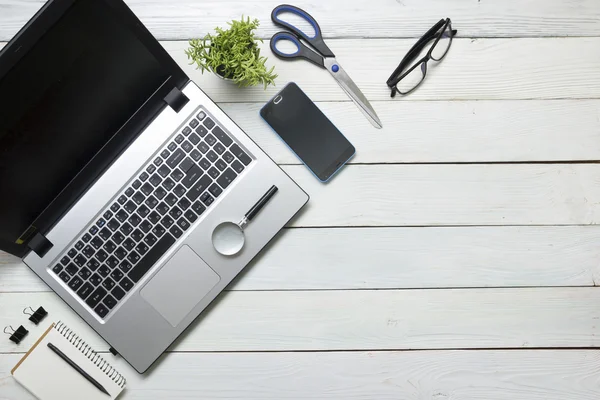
(180, 285)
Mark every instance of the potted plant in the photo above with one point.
(233, 54)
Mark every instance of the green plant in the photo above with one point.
(233, 53)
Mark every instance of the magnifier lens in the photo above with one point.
(228, 238)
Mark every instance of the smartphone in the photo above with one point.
(307, 132)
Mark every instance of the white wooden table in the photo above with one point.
(455, 258)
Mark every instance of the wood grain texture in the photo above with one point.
(418, 195)
(435, 375)
(355, 18)
(460, 131)
(400, 258)
(365, 320)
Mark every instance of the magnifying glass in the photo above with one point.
(228, 237)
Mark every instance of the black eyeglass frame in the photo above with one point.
(435, 32)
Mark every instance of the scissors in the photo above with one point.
(321, 56)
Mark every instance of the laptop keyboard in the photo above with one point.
(194, 168)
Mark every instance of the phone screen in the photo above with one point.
(307, 132)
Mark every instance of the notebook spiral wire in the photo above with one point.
(87, 351)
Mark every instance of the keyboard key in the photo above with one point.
(144, 176)
(101, 255)
(109, 246)
(226, 178)
(113, 224)
(240, 154)
(129, 192)
(128, 244)
(137, 235)
(79, 245)
(65, 260)
(207, 199)
(167, 221)
(151, 168)
(201, 115)
(126, 229)
(93, 230)
(190, 215)
(175, 158)
(179, 190)
(87, 237)
(195, 154)
(138, 197)
(118, 293)
(186, 164)
(202, 131)
(176, 175)
(84, 273)
(158, 161)
(64, 276)
(105, 233)
(97, 242)
(219, 148)
(118, 237)
(112, 262)
(130, 206)
(209, 123)
(104, 271)
(155, 180)
(127, 284)
(205, 164)
(215, 190)
(164, 154)
(136, 184)
(95, 297)
(194, 139)
(213, 172)
(228, 157)
(133, 257)
(101, 310)
(148, 261)
(141, 248)
(134, 220)
(122, 216)
(212, 156)
(57, 268)
(178, 139)
(108, 284)
(72, 253)
(168, 184)
(96, 279)
(109, 302)
(221, 164)
(143, 211)
(184, 203)
(175, 231)
(183, 224)
(162, 208)
(151, 202)
(158, 230)
(145, 226)
(120, 253)
(80, 260)
(203, 147)
(147, 188)
(85, 290)
(115, 207)
(160, 193)
(122, 199)
(88, 251)
(72, 269)
(198, 188)
(92, 264)
(75, 283)
(125, 266)
(154, 217)
(222, 136)
(192, 176)
(186, 131)
(175, 212)
(150, 239)
(164, 171)
(210, 139)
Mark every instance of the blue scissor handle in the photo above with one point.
(316, 41)
(301, 50)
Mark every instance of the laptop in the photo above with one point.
(115, 171)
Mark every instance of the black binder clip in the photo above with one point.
(16, 335)
(35, 316)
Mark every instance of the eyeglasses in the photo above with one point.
(406, 82)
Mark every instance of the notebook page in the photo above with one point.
(49, 377)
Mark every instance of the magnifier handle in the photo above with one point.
(261, 203)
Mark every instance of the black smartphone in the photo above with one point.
(307, 132)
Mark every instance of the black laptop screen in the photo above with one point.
(62, 102)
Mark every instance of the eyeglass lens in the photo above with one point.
(442, 46)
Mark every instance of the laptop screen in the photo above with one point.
(62, 102)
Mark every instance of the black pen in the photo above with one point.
(77, 368)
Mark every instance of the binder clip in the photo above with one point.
(16, 335)
(35, 316)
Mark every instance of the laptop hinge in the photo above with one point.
(40, 245)
(176, 99)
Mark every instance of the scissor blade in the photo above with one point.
(353, 92)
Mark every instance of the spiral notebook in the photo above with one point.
(49, 377)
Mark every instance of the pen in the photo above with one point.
(77, 368)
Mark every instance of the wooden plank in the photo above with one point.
(355, 18)
(437, 375)
(406, 258)
(461, 131)
(426, 195)
(365, 320)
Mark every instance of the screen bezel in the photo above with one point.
(338, 163)
(23, 42)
